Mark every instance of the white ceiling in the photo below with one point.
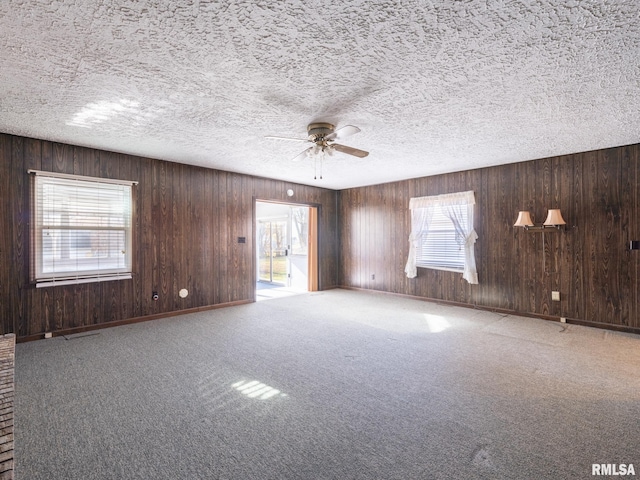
(435, 86)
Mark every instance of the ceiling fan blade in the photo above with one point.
(273, 137)
(350, 150)
(302, 155)
(343, 132)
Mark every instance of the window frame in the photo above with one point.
(459, 208)
(421, 261)
(38, 274)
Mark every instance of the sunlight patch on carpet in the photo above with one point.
(436, 323)
(256, 389)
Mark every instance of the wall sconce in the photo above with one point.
(554, 221)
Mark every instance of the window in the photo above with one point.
(442, 235)
(441, 249)
(81, 229)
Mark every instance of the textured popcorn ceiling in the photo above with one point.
(435, 86)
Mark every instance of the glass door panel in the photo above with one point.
(299, 230)
(273, 249)
(264, 251)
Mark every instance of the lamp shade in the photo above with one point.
(524, 220)
(554, 217)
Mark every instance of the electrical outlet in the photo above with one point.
(563, 320)
(555, 296)
(48, 335)
(373, 276)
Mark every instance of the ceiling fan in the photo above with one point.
(323, 136)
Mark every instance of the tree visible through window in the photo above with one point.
(81, 229)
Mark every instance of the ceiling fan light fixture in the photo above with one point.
(323, 137)
(314, 151)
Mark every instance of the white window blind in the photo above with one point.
(441, 250)
(81, 229)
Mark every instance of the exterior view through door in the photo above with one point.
(283, 237)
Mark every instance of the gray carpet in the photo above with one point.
(329, 385)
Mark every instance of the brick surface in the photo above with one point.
(7, 356)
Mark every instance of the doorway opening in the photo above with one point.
(286, 249)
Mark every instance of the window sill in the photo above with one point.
(76, 281)
(440, 268)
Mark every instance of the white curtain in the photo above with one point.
(420, 221)
(453, 206)
(465, 235)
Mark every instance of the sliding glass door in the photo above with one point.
(273, 250)
(284, 240)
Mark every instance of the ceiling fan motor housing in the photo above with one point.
(318, 131)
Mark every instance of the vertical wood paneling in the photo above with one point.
(397, 219)
(137, 260)
(34, 317)
(577, 228)
(626, 175)
(349, 260)
(202, 279)
(566, 238)
(62, 160)
(178, 221)
(187, 221)
(234, 213)
(19, 236)
(384, 254)
(343, 248)
(593, 220)
(543, 199)
(165, 251)
(634, 234)
(481, 294)
(197, 259)
(588, 262)
(127, 307)
(6, 235)
(222, 257)
(143, 274)
(499, 235)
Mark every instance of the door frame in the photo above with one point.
(315, 211)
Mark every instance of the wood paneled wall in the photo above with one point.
(188, 220)
(187, 223)
(589, 263)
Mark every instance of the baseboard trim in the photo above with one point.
(146, 318)
(553, 318)
(128, 321)
(604, 326)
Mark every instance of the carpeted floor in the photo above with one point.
(329, 385)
